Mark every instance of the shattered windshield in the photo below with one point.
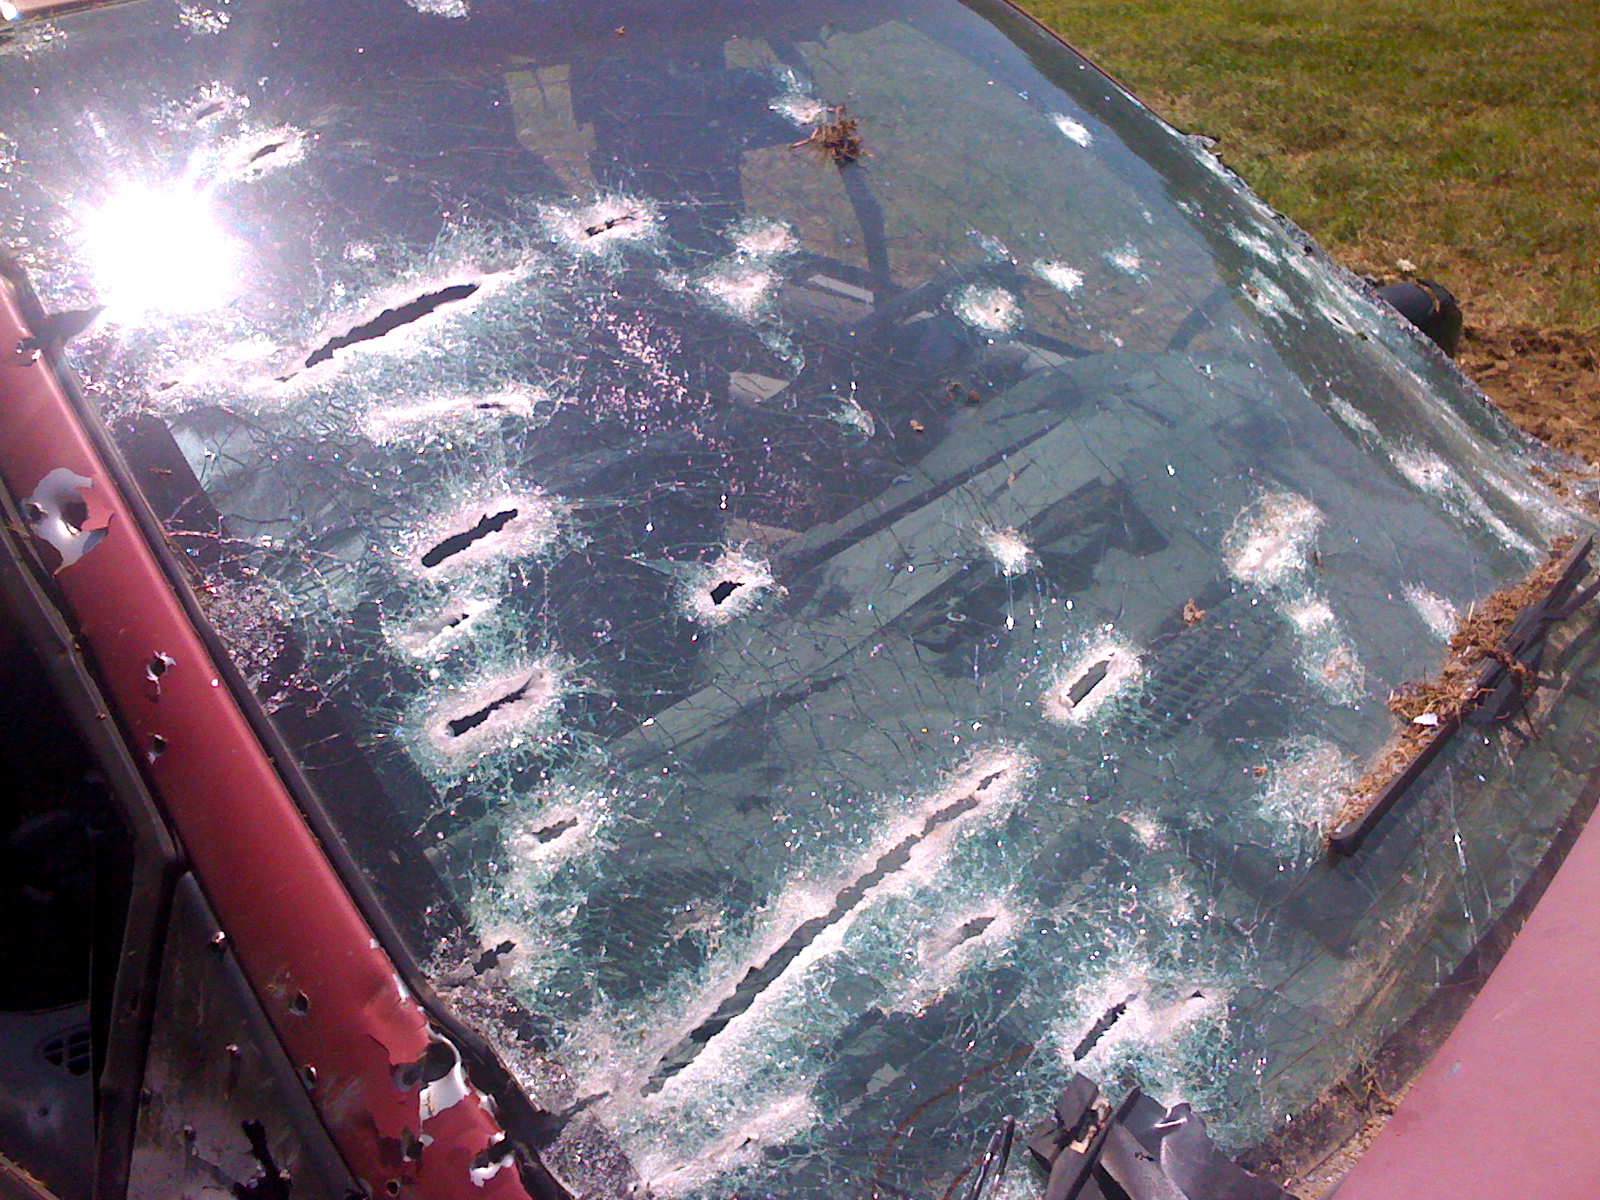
(831, 569)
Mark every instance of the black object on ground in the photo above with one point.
(1431, 308)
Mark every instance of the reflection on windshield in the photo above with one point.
(815, 651)
(159, 251)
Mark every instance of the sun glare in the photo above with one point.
(160, 251)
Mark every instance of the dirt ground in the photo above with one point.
(1547, 381)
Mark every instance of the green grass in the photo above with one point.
(1463, 137)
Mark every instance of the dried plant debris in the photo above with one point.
(838, 137)
(1428, 710)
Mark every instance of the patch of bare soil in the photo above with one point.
(1547, 381)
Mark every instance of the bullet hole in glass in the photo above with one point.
(269, 149)
(491, 957)
(457, 542)
(973, 928)
(764, 974)
(1098, 1030)
(551, 832)
(1087, 682)
(460, 725)
(609, 223)
(391, 319)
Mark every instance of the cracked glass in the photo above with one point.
(830, 567)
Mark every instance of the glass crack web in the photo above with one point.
(816, 653)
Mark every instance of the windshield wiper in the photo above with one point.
(1507, 676)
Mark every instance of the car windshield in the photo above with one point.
(830, 568)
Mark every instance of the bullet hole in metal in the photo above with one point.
(158, 666)
(495, 1151)
(309, 1074)
(158, 747)
(724, 589)
(392, 1187)
(391, 319)
(457, 542)
(410, 1146)
(300, 1005)
(437, 1061)
(57, 512)
(219, 941)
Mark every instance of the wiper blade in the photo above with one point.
(1507, 676)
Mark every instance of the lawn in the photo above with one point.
(1461, 140)
(1464, 138)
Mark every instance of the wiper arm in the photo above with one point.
(1507, 675)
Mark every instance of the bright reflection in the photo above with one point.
(153, 250)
